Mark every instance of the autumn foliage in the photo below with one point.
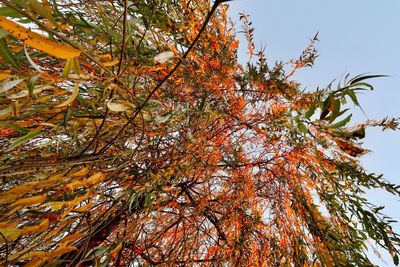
(131, 136)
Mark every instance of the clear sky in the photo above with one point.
(356, 37)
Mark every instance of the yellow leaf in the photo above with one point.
(94, 179)
(8, 224)
(29, 201)
(69, 238)
(84, 208)
(56, 177)
(71, 98)
(15, 193)
(81, 172)
(67, 68)
(39, 254)
(10, 234)
(30, 230)
(115, 251)
(111, 63)
(75, 66)
(62, 250)
(74, 184)
(4, 74)
(38, 41)
(56, 205)
(36, 262)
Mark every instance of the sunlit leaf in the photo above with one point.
(71, 98)
(22, 140)
(38, 41)
(163, 57)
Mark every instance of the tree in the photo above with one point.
(131, 136)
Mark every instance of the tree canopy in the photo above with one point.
(131, 136)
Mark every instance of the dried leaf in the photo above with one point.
(163, 57)
(117, 107)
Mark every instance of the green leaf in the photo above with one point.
(14, 127)
(302, 128)
(353, 97)
(31, 84)
(341, 123)
(7, 55)
(6, 111)
(310, 111)
(9, 12)
(67, 68)
(24, 139)
(360, 78)
(3, 33)
(335, 110)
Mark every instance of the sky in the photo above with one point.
(356, 37)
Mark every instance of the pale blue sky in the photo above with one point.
(356, 37)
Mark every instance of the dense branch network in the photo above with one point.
(152, 146)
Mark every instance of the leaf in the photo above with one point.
(6, 111)
(36, 262)
(9, 12)
(335, 110)
(163, 57)
(82, 172)
(94, 179)
(3, 33)
(25, 93)
(56, 205)
(62, 250)
(353, 97)
(302, 128)
(310, 111)
(341, 123)
(84, 208)
(396, 260)
(74, 184)
(9, 85)
(30, 230)
(71, 98)
(43, 9)
(14, 127)
(115, 251)
(111, 63)
(33, 64)
(75, 66)
(118, 107)
(7, 54)
(67, 68)
(10, 234)
(360, 78)
(4, 74)
(38, 41)
(70, 238)
(29, 201)
(24, 139)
